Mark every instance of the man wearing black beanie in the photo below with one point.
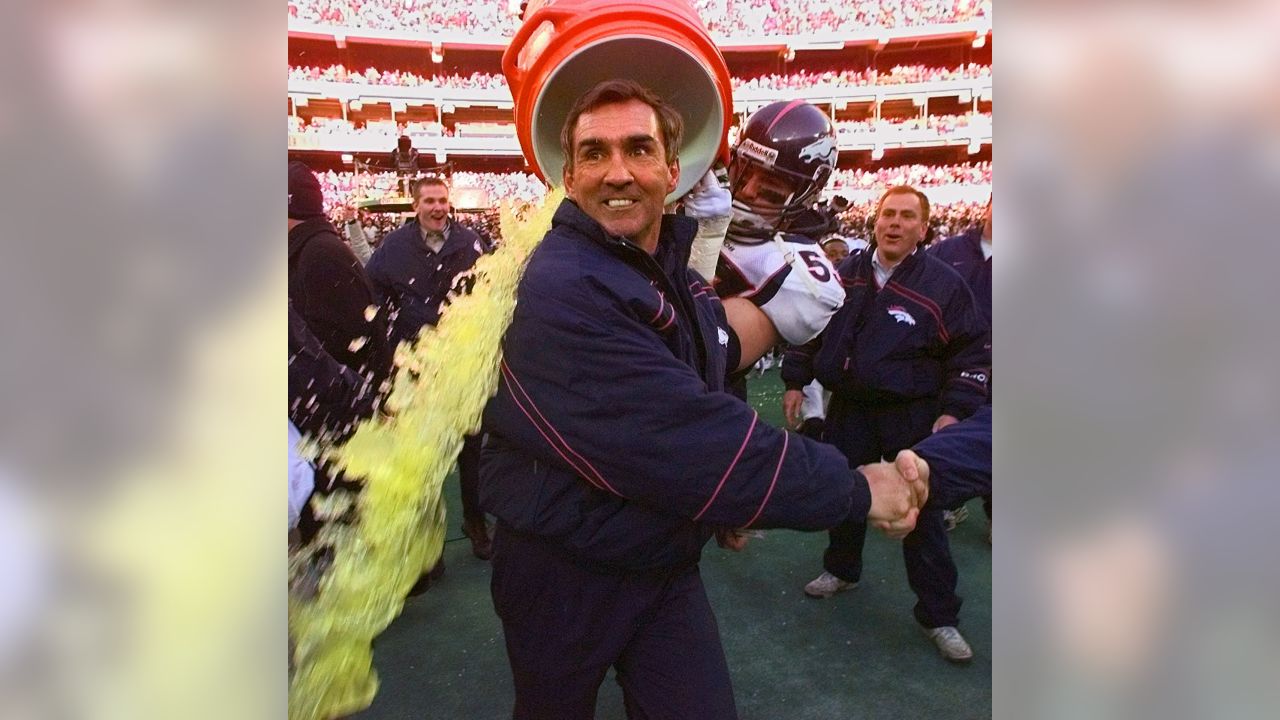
(328, 286)
(328, 289)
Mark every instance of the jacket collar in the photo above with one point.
(865, 265)
(412, 237)
(675, 238)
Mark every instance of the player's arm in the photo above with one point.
(756, 332)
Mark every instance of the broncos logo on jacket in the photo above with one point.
(920, 336)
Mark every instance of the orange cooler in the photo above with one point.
(565, 47)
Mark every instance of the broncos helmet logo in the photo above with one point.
(900, 314)
(823, 150)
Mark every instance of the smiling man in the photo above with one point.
(419, 263)
(907, 355)
(613, 453)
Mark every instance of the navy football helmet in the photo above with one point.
(793, 141)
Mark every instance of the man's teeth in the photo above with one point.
(619, 203)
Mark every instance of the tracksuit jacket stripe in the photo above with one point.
(598, 480)
(786, 440)
(755, 417)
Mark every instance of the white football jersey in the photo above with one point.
(789, 278)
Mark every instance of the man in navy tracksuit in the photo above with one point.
(413, 272)
(969, 253)
(906, 355)
(613, 452)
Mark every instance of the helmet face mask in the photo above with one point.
(793, 145)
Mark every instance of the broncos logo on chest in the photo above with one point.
(900, 314)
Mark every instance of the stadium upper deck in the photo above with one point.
(907, 82)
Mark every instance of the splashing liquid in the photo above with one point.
(396, 522)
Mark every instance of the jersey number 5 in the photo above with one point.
(816, 268)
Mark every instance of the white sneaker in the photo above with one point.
(950, 643)
(952, 518)
(826, 585)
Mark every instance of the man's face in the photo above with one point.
(836, 251)
(986, 222)
(432, 206)
(899, 226)
(620, 176)
(762, 191)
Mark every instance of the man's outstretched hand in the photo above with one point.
(898, 490)
(734, 540)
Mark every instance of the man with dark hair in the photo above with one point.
(905, 356)
(835, 247)
(613, 453)
(414, 270)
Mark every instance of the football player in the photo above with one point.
(784, 156)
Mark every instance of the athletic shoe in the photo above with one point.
(826, 585)
(952, 518)
(950, 643)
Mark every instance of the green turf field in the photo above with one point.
(857, 655)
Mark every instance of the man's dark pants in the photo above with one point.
(469, 480)
(867, 433)
(566, 625)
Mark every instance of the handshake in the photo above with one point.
(898, 490)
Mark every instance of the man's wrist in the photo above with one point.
(859, 498)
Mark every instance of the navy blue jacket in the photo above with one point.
(959, 458)
(611, 437)
(919, 337)
(412, 282)
(963, 252)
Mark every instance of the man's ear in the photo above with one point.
(567, 176)
(674, 167)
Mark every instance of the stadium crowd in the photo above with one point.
(803, 80)
(943, 124)
(723, 17)
(945, 219)
(392, 130)
(342, 189)
(978, 173)
(898, 75)
(403, 78)
(414, 15)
